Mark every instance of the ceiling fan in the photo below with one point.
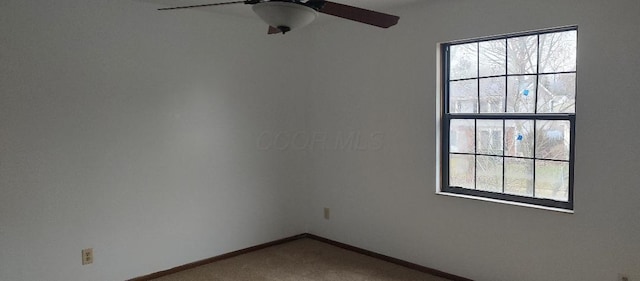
(283, 16)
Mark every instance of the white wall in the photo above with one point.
(134, 132)
(383, 200)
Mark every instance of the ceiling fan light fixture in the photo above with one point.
(285, 16)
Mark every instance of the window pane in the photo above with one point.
(517, 95)
(492, 95)
(463, 96)
(518, 176)
(557, 93)
(558, 51)
(553, 139)
(464, 61)
(552, 180)
(462, 171)
(519, 138)
(522, 55)
(489, 173)
(521, 94)
(493, 58)
(489, 137)
(462, 136)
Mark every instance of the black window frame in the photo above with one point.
(446, 117)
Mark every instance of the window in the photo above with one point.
(508, 129)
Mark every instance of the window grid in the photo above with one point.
(535, 117)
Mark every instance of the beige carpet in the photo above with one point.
(301, 260)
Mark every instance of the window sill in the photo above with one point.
(505, 202)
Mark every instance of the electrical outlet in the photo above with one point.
(623, 277)
(87, 256)
(327, 213)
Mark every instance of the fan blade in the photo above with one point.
(202, 5)
(358, 14)
(273, 30)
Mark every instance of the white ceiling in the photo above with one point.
(242, 10)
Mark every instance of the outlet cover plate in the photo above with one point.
(87, 256)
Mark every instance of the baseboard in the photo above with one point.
(393, 260)
(400, 262)
(216, 258)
